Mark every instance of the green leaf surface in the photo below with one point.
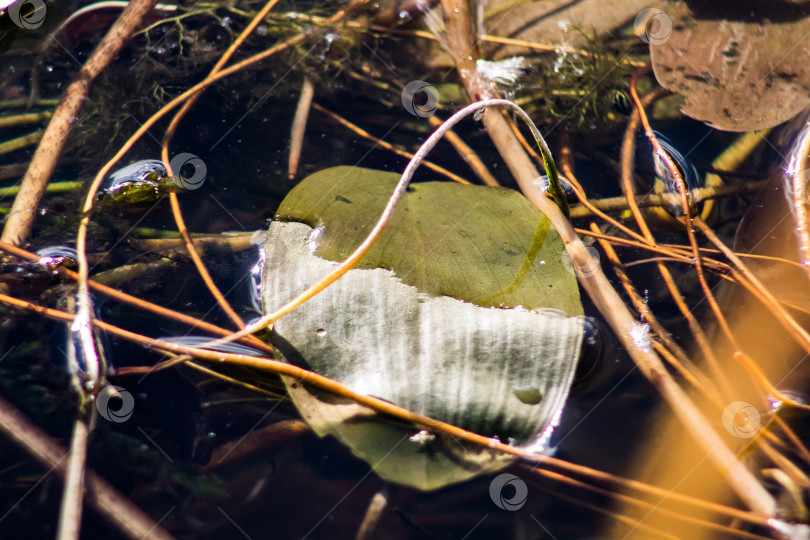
(488, 246)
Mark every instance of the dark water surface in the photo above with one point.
(172, 457)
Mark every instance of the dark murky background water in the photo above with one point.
(296, 486)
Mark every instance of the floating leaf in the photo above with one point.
(488, 246)
(736, 69)
(416, 323)
(549, 22)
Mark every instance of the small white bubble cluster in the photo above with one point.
(640, 334)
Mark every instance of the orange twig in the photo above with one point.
(178, 215)
(628, 150)
(678, 357)
(651, 507)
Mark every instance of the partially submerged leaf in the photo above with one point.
(739, 68)
(396, 451)
(488, 246)
(414, 325)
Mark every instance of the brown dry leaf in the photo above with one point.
(551, 22)
(556, 22)
(740, 68)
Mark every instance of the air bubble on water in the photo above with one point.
(640, 334)
(686, 169)
(54, 255)
(542, 183)
(145, 171)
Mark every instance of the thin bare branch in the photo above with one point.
(130, 520)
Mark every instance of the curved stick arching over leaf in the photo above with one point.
(393, 201)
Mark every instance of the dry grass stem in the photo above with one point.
(299, 126)
(612, 204)
(678, 358)
(628, 153)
